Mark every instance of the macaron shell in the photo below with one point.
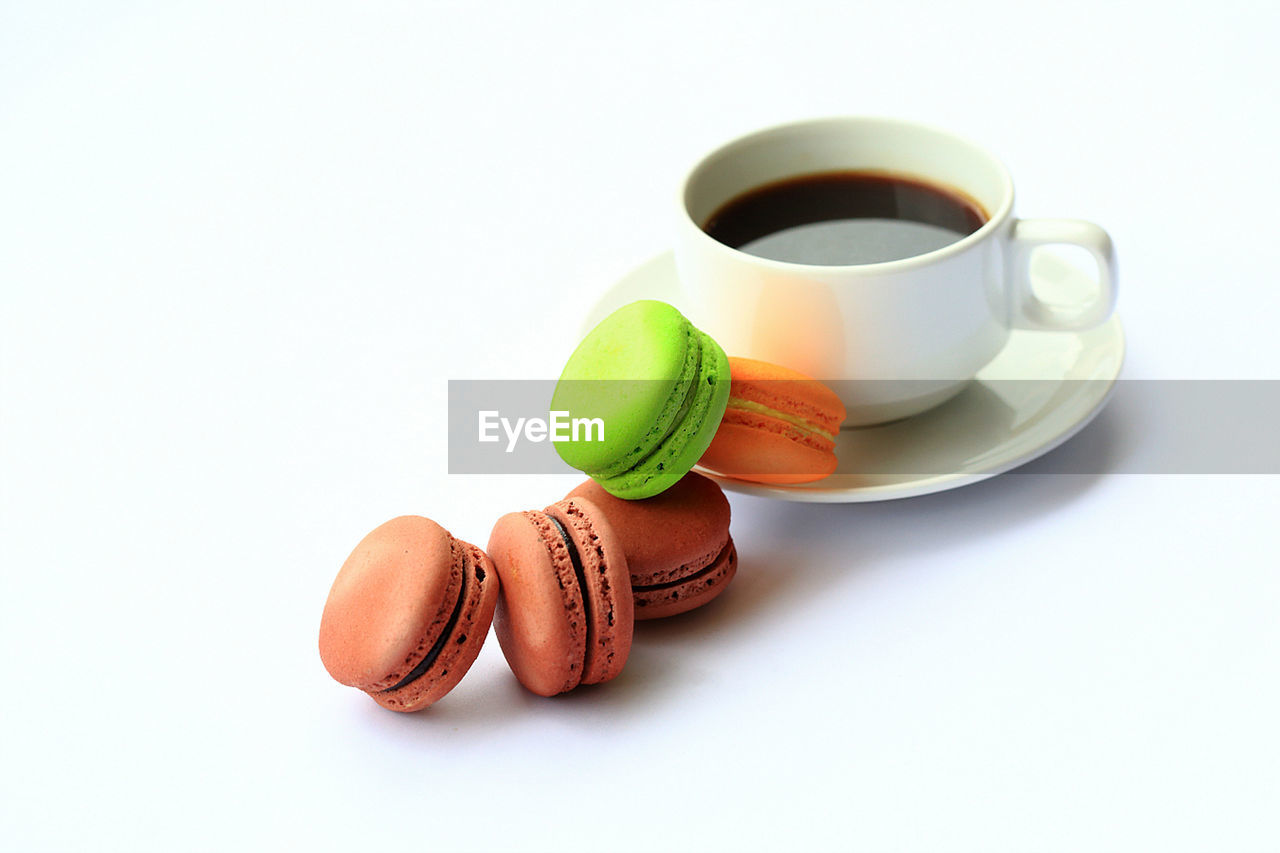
(463, 643)
(610, 608)
(754, 447)
(689, 437)
(787, 390)
(670, 536)
(779, 426)
(690, 593)
(539, 618)
(632, 371)
(389, 603)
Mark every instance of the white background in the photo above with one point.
(243, 247)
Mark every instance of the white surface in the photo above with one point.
(241, 251)
(991, 426)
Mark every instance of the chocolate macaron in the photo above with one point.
(679, 551)
(565, 615)
(408, 613)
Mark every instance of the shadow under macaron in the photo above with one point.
(787, 556)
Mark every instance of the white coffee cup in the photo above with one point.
(912, 332)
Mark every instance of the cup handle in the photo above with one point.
(1032, 312)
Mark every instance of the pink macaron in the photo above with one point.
(565, 614)
(408, 613)
(679, 551)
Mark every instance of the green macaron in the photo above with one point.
(646, 392)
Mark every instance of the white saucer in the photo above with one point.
(990, 427)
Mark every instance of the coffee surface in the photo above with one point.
(847, 217)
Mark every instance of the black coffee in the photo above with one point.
(836, 218)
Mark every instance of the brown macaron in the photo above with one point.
(679, 551)
(408, 613)
(565, 615)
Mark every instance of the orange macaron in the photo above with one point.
(779, 428)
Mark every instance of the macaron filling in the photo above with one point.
(795, 420)
(434, 652)
(576, 560)
(672, 598)
(705, 569)
(712, 566)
